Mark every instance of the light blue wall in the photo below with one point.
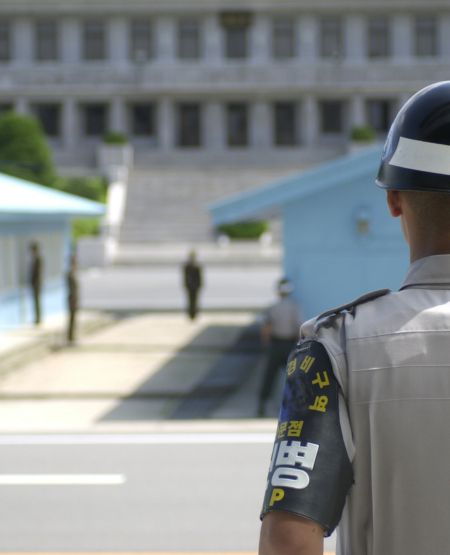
(16, 307)
(328, 261)
(16, 302)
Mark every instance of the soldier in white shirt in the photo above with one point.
(363, 439)
(279, 333)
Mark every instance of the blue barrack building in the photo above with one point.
(339, 240)
(30, 212)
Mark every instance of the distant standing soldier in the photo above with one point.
(192, 274)
(36, 270)
(280, 333)
(72, 298)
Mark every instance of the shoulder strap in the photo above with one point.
(327, 318)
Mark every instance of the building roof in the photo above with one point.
(269, 199)
(23, 198)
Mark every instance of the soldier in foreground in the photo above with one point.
(363, 439)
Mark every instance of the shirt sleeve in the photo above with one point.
(310, 472)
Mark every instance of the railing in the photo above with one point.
(227, 76)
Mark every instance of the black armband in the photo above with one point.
(310, 471)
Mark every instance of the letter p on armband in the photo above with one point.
(277, 495)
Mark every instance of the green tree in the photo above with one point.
(244, 230)
(24, 151)
(92, 188)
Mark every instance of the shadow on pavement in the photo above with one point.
(229, 372)
(198, 378)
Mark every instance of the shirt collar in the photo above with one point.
(431, 270)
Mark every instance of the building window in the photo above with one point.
(426, 36)
(189, 125)
(378, 38)
(237, 124)
(285, 124)
(379, 114)
(46, 41)
(236, 28)
(5, 41)
(94, 40)
(283, 38)
(141, 43)
(142, 120)
(331, 38)
(95, 119)
(6, 107)
(49, 116)
(331, 116)
(189, 39)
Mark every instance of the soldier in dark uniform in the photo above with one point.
(72, 298)
(36, 270)
(192, 276)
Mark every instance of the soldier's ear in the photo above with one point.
(394, 201)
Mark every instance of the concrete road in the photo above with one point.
(160, 288)
(183, 495)
(191, 492)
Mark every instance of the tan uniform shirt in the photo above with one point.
(392, 359)
(284, 319)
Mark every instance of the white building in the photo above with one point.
(275, 83)
(216, 77)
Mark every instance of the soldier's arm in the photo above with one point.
(310, 471)
(284, 533)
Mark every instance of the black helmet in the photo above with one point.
(416, 155)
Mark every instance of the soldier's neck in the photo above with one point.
(429, 246)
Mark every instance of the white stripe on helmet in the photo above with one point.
(422, 156)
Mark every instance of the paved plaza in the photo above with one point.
(129, 375)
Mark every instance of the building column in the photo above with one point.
(22, 106)
(22, 50)
(311, 121)
(401, 33)
(213, 47)
(165, 40)
(117, 115)
(444, 36)
(166, 124)
(308, 31)
(118, 41)
(357, 111)
(214, 125)
(70, 40)
(70, 124)
(260, 124)
(260, 39)
(355, 39)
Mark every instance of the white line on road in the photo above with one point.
(137, 439)
(62, 479)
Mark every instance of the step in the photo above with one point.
(209, 253)
(167, 204)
